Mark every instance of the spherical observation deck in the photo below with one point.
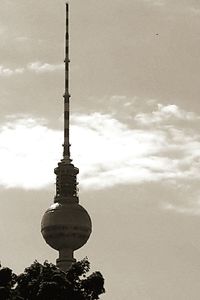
(66, 226)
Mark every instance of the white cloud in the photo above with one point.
(19, 70)
(118, 154)
(155, 2)
(28, 152)
(195, 11)
(189, 207)
(110, 152)
(7, 72)
(107, 152)
(39, 67)
(164, 114)
(22, 39)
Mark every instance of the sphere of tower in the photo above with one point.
(66, 226)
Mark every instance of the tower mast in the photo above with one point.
(66, 183)
(66, 151)
(66, 225)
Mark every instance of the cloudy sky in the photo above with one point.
(135, 122)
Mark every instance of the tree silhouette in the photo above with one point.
(47, 282)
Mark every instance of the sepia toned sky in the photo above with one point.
(135, 70)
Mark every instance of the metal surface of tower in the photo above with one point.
(66, 225)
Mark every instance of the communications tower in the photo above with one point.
(66, 225)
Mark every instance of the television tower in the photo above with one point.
(66, 225)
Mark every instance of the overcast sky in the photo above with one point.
(135, 70)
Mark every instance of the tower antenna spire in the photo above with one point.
(66, 145)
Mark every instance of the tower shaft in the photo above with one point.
(66, 151)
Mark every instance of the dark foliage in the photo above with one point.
(47, 282)
(7, 283)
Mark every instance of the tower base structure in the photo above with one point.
(65, 259)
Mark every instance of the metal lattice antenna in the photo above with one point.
(66, 151)
(66, 182)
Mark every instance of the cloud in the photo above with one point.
(111, 153)
(115, 154)
(7, 72)
(28, 153)
(39, 67)
(155, 2)
(163, 114)
(195, 11)
(22, 38)
(107, 151)
(191, 206)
